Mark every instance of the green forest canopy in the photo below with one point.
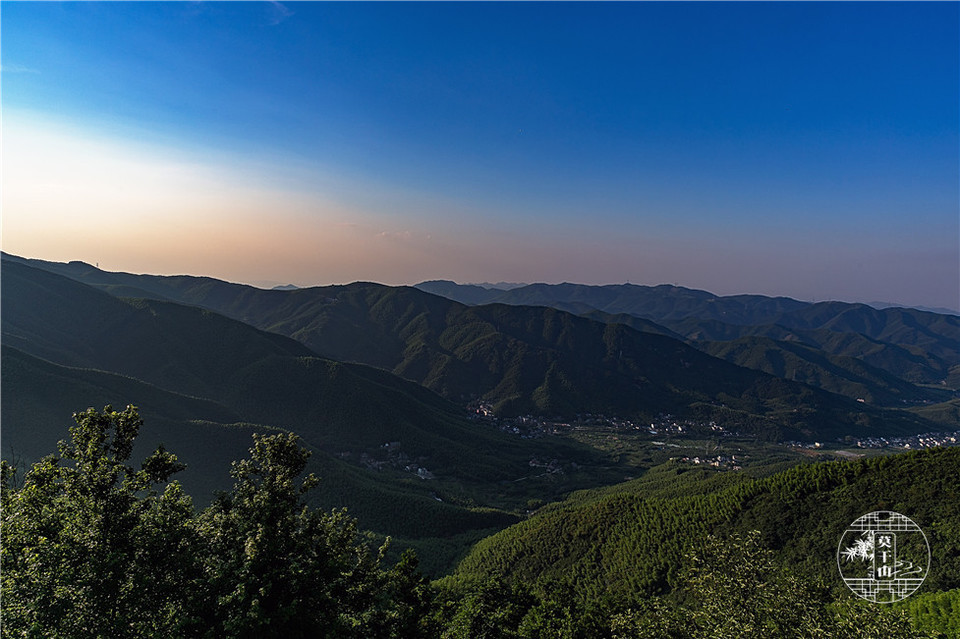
(94, 547)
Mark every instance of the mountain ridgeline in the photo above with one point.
(851, 349)
(919, 346)
(521, 359)
(665, 303)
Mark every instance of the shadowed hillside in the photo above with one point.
(521, 359)
(920, 347)
(845, 375)
(208, 382)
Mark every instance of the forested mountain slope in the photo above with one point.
(703, 316)
(628, 540)
(845, 375)
(919, 347)
(910, 362)
(39, 397)
(794, 355)
(521, 359)
(207, 382)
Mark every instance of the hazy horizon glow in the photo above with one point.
(802, 149)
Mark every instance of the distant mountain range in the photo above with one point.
(656, 303)
(915, 346)
(502, 286)
(469, 293)
(530, 359)
(930, 309)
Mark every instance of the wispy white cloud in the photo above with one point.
(17, 68)
(278, 12)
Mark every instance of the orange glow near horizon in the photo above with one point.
(70, 196)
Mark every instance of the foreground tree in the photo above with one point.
(278, 568)
(90, 549)
(493, 609)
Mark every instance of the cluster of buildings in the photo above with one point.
(549, 466)
(526, 427)
(529, 426)
(726, 462)
(924, 440)
(391, 456)
(911, 442)
(671, 425)
(809, 445)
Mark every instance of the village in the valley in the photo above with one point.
(666, 426)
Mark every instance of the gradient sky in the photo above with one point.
(800, 149)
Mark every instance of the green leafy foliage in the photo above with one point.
(739, 589)
(730, 587)
(495, 610)
(90, 549)
(278, 568)
(89, 546)
(935, 611)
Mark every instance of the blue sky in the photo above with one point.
(800, 149)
